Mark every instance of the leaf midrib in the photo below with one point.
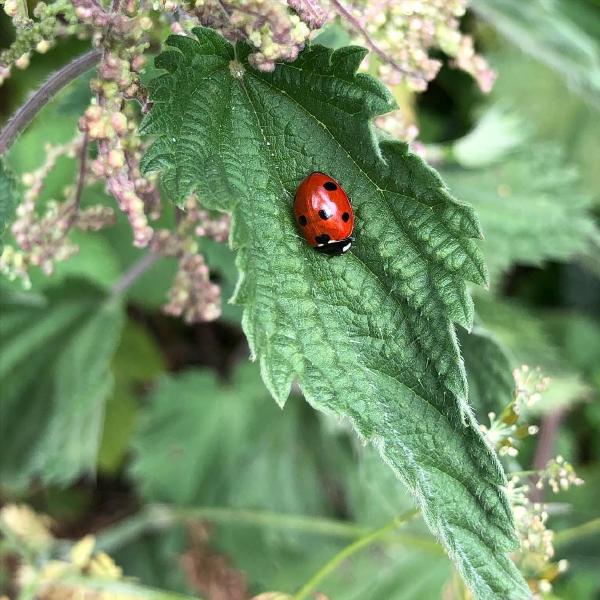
(316, 314)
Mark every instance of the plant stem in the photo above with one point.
(24, 115)
(158, 517)
(522, 473)
(348, 551)
(134, 273)
(568, 535)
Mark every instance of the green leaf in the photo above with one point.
(574, 123)
(55, 375)
(7, 198)
(530, 206)
(136, 362)
(245, 453)
(369, 335)
(242, 450)
(552, 32)
(272, 462)
(408, 564)
(496, 134)
(527, 336)
(489, 370)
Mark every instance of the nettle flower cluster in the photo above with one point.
(400, 34)
(505, 432)
(50, 22)
(30, 538)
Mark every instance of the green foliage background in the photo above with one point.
(178, 415)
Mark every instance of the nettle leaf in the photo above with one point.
(530, 206)
(7, 198)
(136, 362)
(227, 435)
(56, 353)
(369, 335)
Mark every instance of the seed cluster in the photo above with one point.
(401, 35)
(505, 433)
(41, 229)
(193, 296)
(276, 30)
(39, 34)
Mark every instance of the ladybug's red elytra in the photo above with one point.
(324, 214)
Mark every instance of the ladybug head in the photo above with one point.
(336, 248)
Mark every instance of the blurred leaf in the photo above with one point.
(530, 207)
(591, 414)
(579, 335)
(55, 373)
(267, 459)
(489, 371)
(547, 31)
(527, 336)
(204, 442)
(582, 552)
(497, 133)
(564, 391)
(221, 260)
(572, 122)
(241, 449)
(8, 198)
(333, 35)
(95, 261)
(382, 350)
(155, 560)
(136, 361)
(410, 564)
(393, 572)
(76, 97)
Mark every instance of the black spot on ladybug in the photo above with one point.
(322, 239)
(302, 220)
(346, 217)
(324, 214)
(330, 186)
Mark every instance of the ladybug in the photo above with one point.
(324, 214)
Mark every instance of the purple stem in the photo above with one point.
(24, 115)
(545, 447)
(346, 14)
(134, 273)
